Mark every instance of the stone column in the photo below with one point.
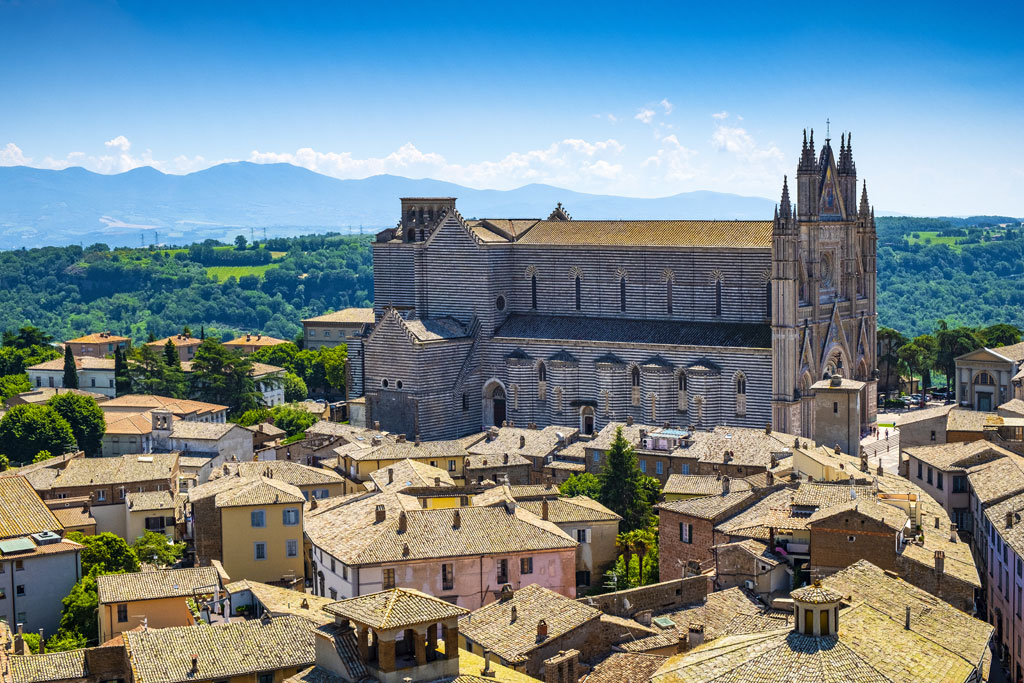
(362, 637)
(432, 641)
(420, 647)
(451, 641)
(386, 655)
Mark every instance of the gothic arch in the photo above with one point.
(530, 272)
(495, 403)
(739, 385)
(835, 362)
(622, 274)
(668, 275)
(575, 272)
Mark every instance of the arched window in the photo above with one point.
(654, 408)
(768, 299)
(718, 297)
(682, 401)
(533, 291)
(741, 394)
(542, 381)
(622, 294)
(634, 379)
(558, 399)
(984, 378)
(635, 376)
(412, 235)
(577, 292)
(668, 296)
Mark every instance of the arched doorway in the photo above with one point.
(586, 420)
(498, 400)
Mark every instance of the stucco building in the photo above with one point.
(988, 378)
(580, 323)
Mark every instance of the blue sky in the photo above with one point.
(639, 99)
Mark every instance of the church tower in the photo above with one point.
(823, 287)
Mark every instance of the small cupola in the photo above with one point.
(817, 610)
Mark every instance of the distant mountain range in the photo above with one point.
(42, 207)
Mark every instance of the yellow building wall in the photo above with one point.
(439, 503)
(337, 489)
(238, 539)
(136, 523)
(161, 613)
(366, 467)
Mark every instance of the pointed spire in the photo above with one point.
(864, 199)
(785, 196)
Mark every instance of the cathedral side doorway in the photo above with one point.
(494, 404)
(586, 420)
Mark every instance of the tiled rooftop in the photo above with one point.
(164, 655)
(957, 456)
(395, 608)
(535, 442)
(963, 420)
(701, 485)
(710, 507)
(127, 469)
(52, 666)
(492, 625)
(345, 315)
(652, 233)
(236, 491)
(569, 510)
(22, 512)
(179, 406)
(410, 474)
(280, 470)
(282, 601)
(153, 585)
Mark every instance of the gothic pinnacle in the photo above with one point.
(785, 196)
(864, 199)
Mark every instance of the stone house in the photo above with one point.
(540, 446)
(348, 326)
(156, 599)
(465, 555)
(184, 344)
(98, 345)
(686, 528)
(253, 342)
(313, 482)
(749, 563)
(923, 427)
(252, 525)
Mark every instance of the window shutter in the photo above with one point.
(689, 533)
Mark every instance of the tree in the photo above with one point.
(931, 348)
(86, 418)
(334, 360)
(70, 369)
(914, 358)
(29, 428)
(1001, 334)
(240, 242)
(41, 456)
(294, 388)
(643, 542)
(122, 379)
(148, 373)
(224, 376)
(953, 343)
(171, 357)
(889, 341)
(106, 553)
(64, 641)
(621, 486)
(154, 548)
(255, 417)
(582, 484)
(293, 420)
(81, 605)
(12, 385)
(27, 337)
(281, 355)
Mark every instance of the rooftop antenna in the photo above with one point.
(828, 130)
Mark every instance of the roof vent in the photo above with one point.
(457, 520)
(45, 538)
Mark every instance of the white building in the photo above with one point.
(94, 374)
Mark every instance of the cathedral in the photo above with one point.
(556, 321)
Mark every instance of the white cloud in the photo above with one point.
(720, 115)
(121, 142)
(645, 115)
(738, 141)
(613, 118)
(667, 106)
(673, 160)
(11, 155)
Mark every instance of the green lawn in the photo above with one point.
(934, 238)
(224, 272)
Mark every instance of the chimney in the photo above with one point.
(312, 503)
(879, 471)
(563, 667)
(644, 617)
(42, 643)
(725, 486)
(544, 509)
(952, 533)
(506, 458)
(417, 442)
(375, 441)
(248, 337)
(643, 433)
(380, 513)
(403, 522)
(19, 641)
(376, 425)
(940, 561)
(770, 478)
(515, 614)
(1009, 519)
(195, 664)
(487, 672)
(838, 450)
(437, 481)
(542, 630)
(629, 420)
(457, 520)
(400, 438)
(391, 475)
(522, 441)
(405, 550)
(768, 428)
(506, 595)
(906, 619)
(694, 636)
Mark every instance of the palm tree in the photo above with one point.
(624, 546)
(643, 541)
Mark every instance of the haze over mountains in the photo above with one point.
(41, 207)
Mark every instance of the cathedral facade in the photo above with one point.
(564, 322)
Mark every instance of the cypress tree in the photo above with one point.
(171, 354)
(70, 371)
(622, 488)
(122, 382)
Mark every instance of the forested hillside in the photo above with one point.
(968, 272)
(270, 288)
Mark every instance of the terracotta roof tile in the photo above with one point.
(345, 315)
(395, 608)
(52, 666)
(710, 507)
(289, 472)
(22, 512)
(652, 233)
(127, 469)
(153, 585)
(569, 510)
